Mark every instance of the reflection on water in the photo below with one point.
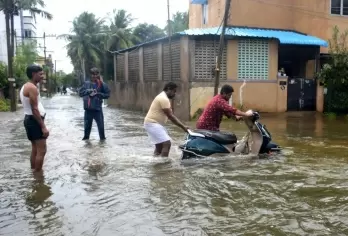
(44, 219)
(117, 188)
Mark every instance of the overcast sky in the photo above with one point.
(64, 11)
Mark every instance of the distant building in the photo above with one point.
(25, 28)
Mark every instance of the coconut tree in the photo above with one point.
(83, 41)
(115, 36)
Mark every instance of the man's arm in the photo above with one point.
(174, 119)
(106, 92)
(229, 110)
(33, 95)
(241, 113)
(83, 91)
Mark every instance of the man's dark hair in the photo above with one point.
(33, 69)
(226, 89)
(170, 86)
(94, 70)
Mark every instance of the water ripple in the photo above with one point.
(118, 188)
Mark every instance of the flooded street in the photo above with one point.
(118, 188)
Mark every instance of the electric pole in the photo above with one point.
(55, 76)
(11, 79)
(221, 47)
(46, 66)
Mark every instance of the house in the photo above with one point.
(310, 17)
(272, 52)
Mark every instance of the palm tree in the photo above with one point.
(82, 47)
(116, 36)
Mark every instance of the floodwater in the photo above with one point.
(118, 188)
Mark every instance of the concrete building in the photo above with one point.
(273, 47)
(308, 17)
(25, 27)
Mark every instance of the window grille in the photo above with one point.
(205, 58)
(253, 59)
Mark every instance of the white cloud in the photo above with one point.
(64, 11)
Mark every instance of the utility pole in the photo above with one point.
(221, 47)
(11, 79)
(169, 41)
(46, 66)
(55, 76)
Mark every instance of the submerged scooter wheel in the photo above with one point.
(187, 155)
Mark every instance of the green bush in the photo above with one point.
(330, 115)
(4, 105)
(334, 74)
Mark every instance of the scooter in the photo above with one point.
(205, 143)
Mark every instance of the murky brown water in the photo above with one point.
(118, 188)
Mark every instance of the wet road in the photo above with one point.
(118, 188)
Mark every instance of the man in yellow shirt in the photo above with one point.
(160, 111)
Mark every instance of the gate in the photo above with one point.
(302, 94)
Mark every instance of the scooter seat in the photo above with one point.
(220, 137)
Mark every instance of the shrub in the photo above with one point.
(4, 105)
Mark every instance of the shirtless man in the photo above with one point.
(34, 112)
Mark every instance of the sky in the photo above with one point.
(64, 12)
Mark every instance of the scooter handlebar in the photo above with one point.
(256, 116)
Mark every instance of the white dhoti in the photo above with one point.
(157, 133)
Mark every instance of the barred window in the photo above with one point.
(205, 60)
(253, 59)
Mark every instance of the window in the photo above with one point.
(205, 56)
(27, 34)
(339, 7)
(205, 14)
(253, 59)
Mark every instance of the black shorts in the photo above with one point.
(33, 129)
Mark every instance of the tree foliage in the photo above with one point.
(179, 22)
(26, 54)
(92, 40)
(3, 75)
(147, 32)
(334, 74)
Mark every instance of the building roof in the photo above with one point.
(284, 36)
(200, 2)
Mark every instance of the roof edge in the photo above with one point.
(184, 33)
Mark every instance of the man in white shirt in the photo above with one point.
(34, 112)
(160, 111)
